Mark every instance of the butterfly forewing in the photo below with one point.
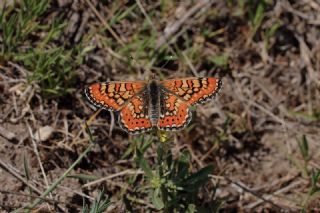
(194, 90)
(113, 95)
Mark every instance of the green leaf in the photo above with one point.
(220, 60)
(183, 165)
(127, 152)
(87, 49)
(314, 180)
(170, 57)
(272, 30)
(194, 181)
(156, 199)
(119, 15)
(304, 148)
(258, 15)
(184, 157)
(191, 208)
(25, 167)
(100, 204)
(143, 164)
(144, 144)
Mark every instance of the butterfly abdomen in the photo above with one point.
(154, 97)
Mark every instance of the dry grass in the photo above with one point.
(261, 134)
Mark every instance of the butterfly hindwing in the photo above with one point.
(174, 112)
(112, 95)
(134, 116)
(194, 90)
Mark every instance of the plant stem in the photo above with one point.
(163, 153)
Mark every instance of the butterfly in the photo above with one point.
(144, 105)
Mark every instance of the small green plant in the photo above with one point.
(48, 66)
(51, 69)
(256, 16)
(314, 191)
(17, 23)
(170, 185)
(137, 145)
(123, 14)
(270, 33)
(304, 150)
(314, 116)
(99, 205)
(309, 173)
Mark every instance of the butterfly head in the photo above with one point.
(153, 76)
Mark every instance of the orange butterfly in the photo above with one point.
(147, 104)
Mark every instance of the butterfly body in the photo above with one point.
(154, 96)
(144, 105)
